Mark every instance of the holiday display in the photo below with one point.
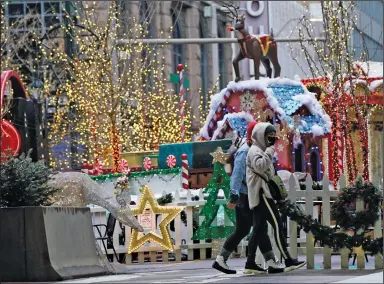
(344, 219)
(147, 163)
(169, 213)
(261, 48)
(78, 190)
(171, 161)
(19, 121)
(219, 180)
(123, 166)
(184, 164)
(301, 123)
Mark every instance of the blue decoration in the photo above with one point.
(284, 95)
(238, 124)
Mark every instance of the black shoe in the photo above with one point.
(253, 268)
(292, 264)
(222, 266)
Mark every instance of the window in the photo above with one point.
(178, 49)
(315, 166)
(50, 12)
(145, 15)
(222, 59)
(299, 159)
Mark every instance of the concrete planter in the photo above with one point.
(47, 244)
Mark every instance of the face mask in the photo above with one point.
(271, 140)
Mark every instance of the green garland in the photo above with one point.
(139, 174)
(337, 240)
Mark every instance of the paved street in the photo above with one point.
(200, 272)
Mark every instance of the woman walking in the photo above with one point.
(260, 168)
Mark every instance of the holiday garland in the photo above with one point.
(357, 220)
(139, 174)
(344, 220)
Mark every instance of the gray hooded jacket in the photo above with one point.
(259, 159)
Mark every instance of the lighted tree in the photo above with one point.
(333, 59)
(115, 97)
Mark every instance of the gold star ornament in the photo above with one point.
(219, 156)
(169, 213)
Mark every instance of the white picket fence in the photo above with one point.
(302, 245)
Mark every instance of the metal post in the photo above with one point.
(215, 47)
(161, 41)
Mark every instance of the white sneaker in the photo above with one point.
(221, 265)
(275, 266)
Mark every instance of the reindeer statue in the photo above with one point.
(78, 189)
(259, 48)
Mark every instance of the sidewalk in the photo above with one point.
(201, 272)
(370, 278)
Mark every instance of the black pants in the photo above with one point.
(267, 211)
(244, 222)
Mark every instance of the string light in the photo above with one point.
(119, 98)
(333, 62)
(168, 213)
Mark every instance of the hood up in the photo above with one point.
(258, 135)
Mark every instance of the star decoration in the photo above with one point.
(261, 114)
(247, 101)
(280, 148)
(282, 134)
(219, 156)
(169, 213)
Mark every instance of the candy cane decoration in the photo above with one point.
(147, 163)
(340, 150)
(182, 128)
(184, 165)
(171, 161)
(218, 111)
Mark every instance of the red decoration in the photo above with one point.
(147, 163)
(180, 67)
(98, 168)
(171, 161)
(10, 139)
(123, 165)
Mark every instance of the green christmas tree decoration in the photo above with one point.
(219, 180)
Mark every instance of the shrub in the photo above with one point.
(24, 183)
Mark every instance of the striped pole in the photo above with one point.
(182, 128)
(185, 176)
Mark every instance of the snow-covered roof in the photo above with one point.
(371, 68)
(284, 96)
(238, 121)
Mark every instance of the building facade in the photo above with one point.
(369, 30)
(205, 64)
